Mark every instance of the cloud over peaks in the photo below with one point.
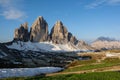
(10, 10)
(97, 3)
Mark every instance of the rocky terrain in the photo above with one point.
(39, 30)
(39, 48)
(22, 33)
(58, 34)
(20, 58)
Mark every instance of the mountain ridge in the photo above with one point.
(39, 33)
(106, 43)
(105, 39)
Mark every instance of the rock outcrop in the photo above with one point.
(72, 39)
(39, 33)
(22, 33)
(13, 58)
(83, 45)
(60, 35)
(39, 30)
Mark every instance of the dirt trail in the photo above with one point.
(113, 68)
(83, 65)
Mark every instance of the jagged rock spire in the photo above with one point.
(39, 30)
(22, 33)
(59, 33)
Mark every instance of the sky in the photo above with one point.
(85, 19)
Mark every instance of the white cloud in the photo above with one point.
(97, 3)
(10, 11)
(13, 14)
(114, 1)
(5, 2)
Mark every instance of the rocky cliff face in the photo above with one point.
(60, 35)
(22, 33)
(83, 45)
(73, 39)
(39, 33)
(39, 30)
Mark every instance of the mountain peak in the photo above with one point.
(21, 33)
(59, 22)
(59, 33)
(40, 18)
(25, 25)
(39, 33)
(39, 30)
(105, 39)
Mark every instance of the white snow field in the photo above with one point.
(41, 46)
(25, 72)
(112, 54)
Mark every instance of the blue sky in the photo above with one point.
(86, 19)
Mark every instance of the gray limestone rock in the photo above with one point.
(21, 34)
(59, 33)
(39, 30)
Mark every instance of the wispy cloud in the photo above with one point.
(97, 3)
(10, 10)
(114, 1)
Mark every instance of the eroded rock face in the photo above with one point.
(60, 35)
(39, 33)
(39, 30)
(72, 38)
(22, 33)
(83, 45)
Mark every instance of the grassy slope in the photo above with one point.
(92, 64)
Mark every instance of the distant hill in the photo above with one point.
(106, 43)
(105, 39)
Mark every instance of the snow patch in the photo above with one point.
(113, 55)
(24, 72)
(2, 54)
(109, 55)
(41, 46)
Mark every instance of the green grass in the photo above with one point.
(84, 62)
(88, 65)
(87, 76)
